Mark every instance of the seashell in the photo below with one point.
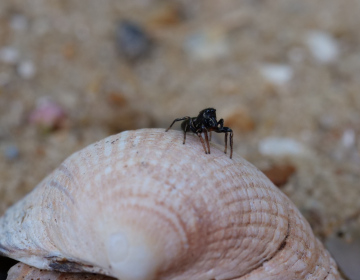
(21, 271)
(138, 206)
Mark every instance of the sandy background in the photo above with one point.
(283, 74)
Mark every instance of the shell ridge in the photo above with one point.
(274, 270)
(282, 244)
(320, 262)
(261, 265)
(259, 193)
(47, 192)
(307, 245)
(61, 188)
(159, 210)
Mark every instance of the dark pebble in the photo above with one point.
(11, 152)
(132, 40)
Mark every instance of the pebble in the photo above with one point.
(279, 147)
(47, 114)
(206, 45)
(118, 99)
(240, 120)
(166, 14)
(132, 40)
(9, 55)
(26, 70)
(19, 22)
(323, 46)
(279, 174)
(277, 74)
(11, 152)
(348, 139)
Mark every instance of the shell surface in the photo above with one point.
(21, 271)
(140, 205)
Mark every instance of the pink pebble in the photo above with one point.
(47, 114)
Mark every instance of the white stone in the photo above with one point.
(276, 146)
(19, 22)
(322, 46)
(206, 46)
(348, 138)
(278, 74)
(26, 70)
(9, 55)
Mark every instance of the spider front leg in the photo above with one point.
(231, 140)
(231, 143)
(226, 130)
(177, 120)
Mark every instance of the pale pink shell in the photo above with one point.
(141, 205)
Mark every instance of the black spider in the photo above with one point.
(205, 122)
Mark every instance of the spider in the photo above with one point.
(205, 122)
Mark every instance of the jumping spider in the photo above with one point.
(205, 122)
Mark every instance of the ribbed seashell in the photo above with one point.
(21, 271)
(140, 205)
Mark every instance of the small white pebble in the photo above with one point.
(275, 146)
(9, 55)
(19, 22)
(207, 45)
(348, 138)
(322, 46)
(26, 70)
(278, 74)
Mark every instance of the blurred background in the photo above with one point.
(284, 74)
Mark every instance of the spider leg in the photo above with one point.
(177, 120)
(231, 144)
(207, 140)
(227, 131)
(210, 135)
(185, 133)
(202, 141)
(226, 138)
